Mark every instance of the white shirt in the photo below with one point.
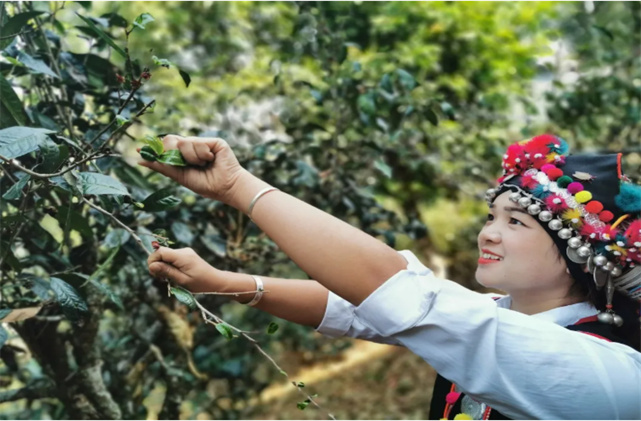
(526, 367)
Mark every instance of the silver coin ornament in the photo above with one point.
(555, 225)
(600, 277)
(575, 242)
(573, 254)
(545, 216)
(606, 318)
(565, 233)
(584, 251)
(534, 209)
(608, 266)
(490, 193)
(514, 197)
(524, 202)
(616, 271)
(600, 260)
(617, 320)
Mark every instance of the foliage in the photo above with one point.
(373, 112)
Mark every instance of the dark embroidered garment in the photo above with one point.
(442, 386)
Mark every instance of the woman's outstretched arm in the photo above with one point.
(342, 258)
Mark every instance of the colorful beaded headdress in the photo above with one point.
(590, 209)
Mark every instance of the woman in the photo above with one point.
(562, 239)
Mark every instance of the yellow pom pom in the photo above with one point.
(572, 216)
(583, 196)
(463, 416)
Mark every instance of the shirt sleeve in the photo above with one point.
(339, 319)
(524, 367)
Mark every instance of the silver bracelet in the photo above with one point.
(259, 291)
(258, 196)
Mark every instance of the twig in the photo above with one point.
(34, 174)
(117, 221)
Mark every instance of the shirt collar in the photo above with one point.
(563, 316)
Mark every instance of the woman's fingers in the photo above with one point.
(203, 151)
(187, 148)
(163, 270)
(164, 254)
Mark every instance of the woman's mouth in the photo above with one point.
(487, 258)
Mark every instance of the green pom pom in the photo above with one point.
(629, 198)
(564, 181)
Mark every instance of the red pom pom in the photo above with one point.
(591, 233)
(554, 173)
(529, 182)
(575, 187)
(606, 216)
(514, 157)
(556, 203)
(633, 234)
(608, 233)
(594, 206)
(547, 167)
(452, 397)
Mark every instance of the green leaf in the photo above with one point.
(4, 312)
(182, 232)
(116, 238)
(215, 243)
(407, 80)
(73, 305)
(17, 141)
(184, 297)
(4, 335)
(75, 220)
(143, 20)
(37, 66)
(283, 372)
(96, 184)
(272, 328)
(160, 201)
(185, 76)
(14, 192)
(104, 36)
(41, 287)
(302, 405)
(367, 104)
(148, 154)
(155, 143)
(53, 155)
(14, 26)
(300, 384)
(120, 120)
(431, 116)
(380, 165)
(161, 62)
(225, 330)
(173, 157)
(108, 292)
(11, 111)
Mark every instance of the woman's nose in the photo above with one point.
(489, 234)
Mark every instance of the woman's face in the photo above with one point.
(517, 255)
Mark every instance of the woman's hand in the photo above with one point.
(215, 171)
(185, 268)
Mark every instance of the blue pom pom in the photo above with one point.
(564, 148)
(540, 192)
(629, 198)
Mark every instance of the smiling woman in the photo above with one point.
(489, 351)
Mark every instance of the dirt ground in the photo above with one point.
(371, 381)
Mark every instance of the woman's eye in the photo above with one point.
(516, 221)
(490, 217)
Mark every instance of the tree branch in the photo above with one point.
(39, 389)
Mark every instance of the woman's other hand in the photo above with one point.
(185, 268)
(214, 171)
